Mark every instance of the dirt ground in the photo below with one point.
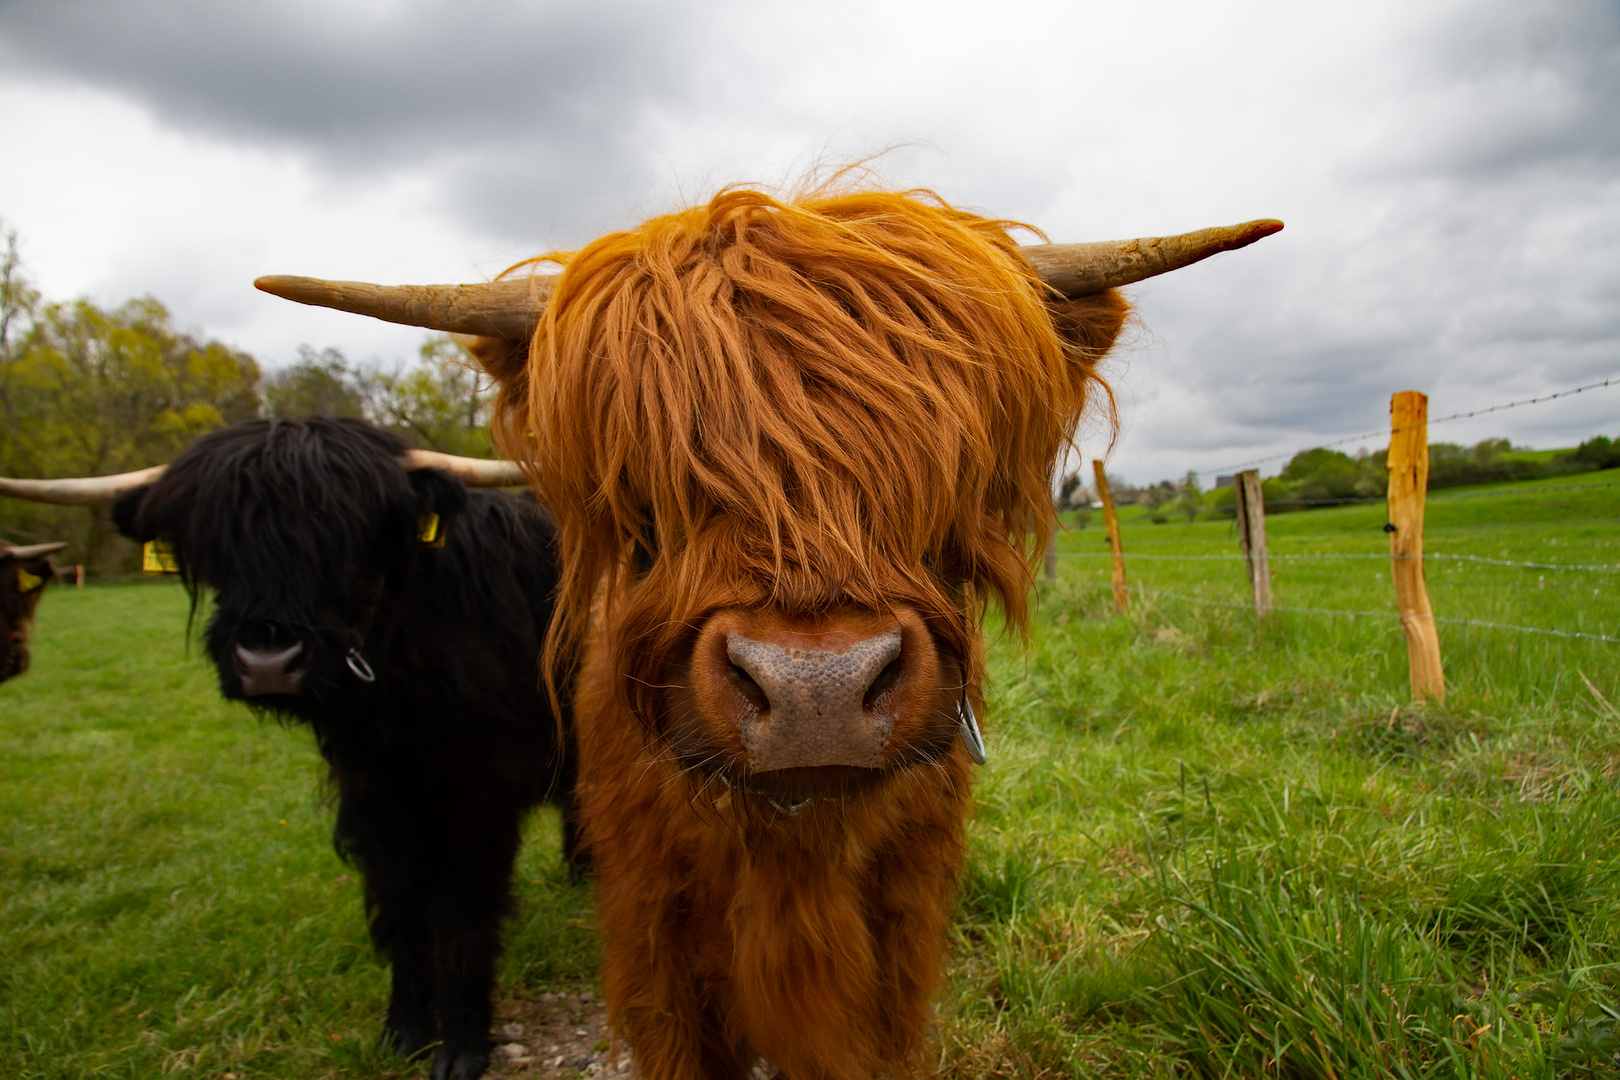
(555, 1036)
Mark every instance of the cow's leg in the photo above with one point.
(409, 1027)
(658, 976)
(369, 834)
(672, 1046)
(473, 894)
(465, 964)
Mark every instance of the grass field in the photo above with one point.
(1205, 847)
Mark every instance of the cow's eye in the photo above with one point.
(642, 558)
(645, 551)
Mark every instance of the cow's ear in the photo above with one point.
(438, 492)
(126, 514)
(1089, 325)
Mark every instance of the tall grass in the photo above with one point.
(1217, 847)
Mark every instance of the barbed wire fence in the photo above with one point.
(1572, 573)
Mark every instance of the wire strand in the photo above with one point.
(1614, 380)
(1361, 613)
(1277, 557)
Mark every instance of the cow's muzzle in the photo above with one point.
(263, 672)
(795, 707)
(814, 706)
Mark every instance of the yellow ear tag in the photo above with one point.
(428, 530)
(27, 582)
(157, 557)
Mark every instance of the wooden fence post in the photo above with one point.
(1051, 555)
(1408, 482)
(1122, 602)
(1251, 525)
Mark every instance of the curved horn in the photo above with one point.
(474, 472)
(1082, 269)
(32, 551)
(81, 490)
(510, 308)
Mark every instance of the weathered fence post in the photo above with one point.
(1408, 482)
(1051, 555)
(1122, 600)
(1251, 529)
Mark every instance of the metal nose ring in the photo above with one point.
(968, 727)
(358, 665)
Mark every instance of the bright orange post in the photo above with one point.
(1408, 482)
(1122, 601)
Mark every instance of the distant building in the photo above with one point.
(1225, 481)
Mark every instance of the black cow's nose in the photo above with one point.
(264, 672)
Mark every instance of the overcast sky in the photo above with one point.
(1449, 171)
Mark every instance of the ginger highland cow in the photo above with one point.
(794, 448)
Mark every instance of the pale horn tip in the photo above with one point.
(1247, 233)
(32, 551)
(507, 308)
(287, 286)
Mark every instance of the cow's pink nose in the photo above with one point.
(815, 706)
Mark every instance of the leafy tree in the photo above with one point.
(1321, 475)
(1190, 496)
(1155, 498)
(439, 403)
(1595, 453)
(18, 297)
(319, 384)
(88, 391)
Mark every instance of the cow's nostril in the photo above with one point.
(744, 684)
(885, 681)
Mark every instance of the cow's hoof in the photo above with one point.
(452, 1064)
(408, 1041)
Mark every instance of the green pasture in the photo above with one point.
(1205, 846)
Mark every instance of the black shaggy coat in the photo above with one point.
(22, 580)
(415, 664)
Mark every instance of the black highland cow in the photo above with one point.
(24, 573)
(411, 654)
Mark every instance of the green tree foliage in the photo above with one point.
(439, 402)
(1154, 498)
(1190, 497)
(1485, 462)
(319, 384)
(88, 391)
(1598, 453)
(1321, 475)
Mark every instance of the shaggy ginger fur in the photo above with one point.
(812, 410)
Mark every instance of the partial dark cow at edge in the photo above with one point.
(24, 573)
(410, 649)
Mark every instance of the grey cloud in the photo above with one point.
(1515, 84)
(513, 108)
(353, 88)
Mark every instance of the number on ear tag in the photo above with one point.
(157, 557)
(429, 530)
